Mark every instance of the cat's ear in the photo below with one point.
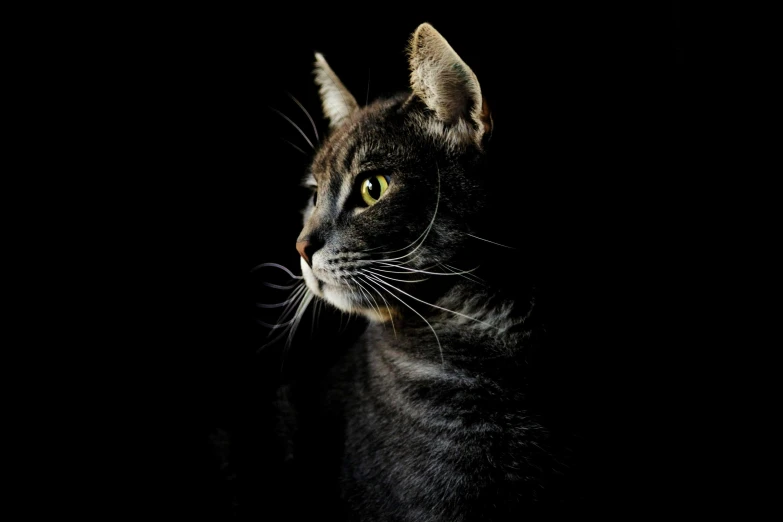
(445, 83)
(338, 103)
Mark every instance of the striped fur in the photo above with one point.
(430, 404)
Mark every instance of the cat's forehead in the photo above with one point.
(372, 139)
(340, 152)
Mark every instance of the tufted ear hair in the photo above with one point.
(337, 102)
(446, 84)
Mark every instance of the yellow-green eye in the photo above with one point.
(372, 188)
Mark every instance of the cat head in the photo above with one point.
(396, 185)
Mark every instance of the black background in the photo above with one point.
(591, 107)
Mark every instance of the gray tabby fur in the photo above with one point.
(433, 419)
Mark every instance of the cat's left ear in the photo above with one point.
(445, 83)
(338, 103)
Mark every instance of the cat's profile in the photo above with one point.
(427, 415)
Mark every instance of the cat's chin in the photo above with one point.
(338, 298)
(344, 299)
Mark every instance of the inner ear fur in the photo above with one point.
(445, 83)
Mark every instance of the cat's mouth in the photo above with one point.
(313, 283)
(344, 296)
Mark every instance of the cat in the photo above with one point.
(429, 414)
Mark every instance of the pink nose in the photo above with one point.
(305, 250)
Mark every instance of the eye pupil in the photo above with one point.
(315, 197)
(373, 188)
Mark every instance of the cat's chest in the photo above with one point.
(420, 434)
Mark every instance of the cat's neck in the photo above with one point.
(470, 325)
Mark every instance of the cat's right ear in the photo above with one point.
(337, 101)
(447, 86)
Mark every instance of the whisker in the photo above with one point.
(391, 318)
(408, 261)
(298, 317)
(317, 310)
(493, 242)
(315, 130)
(294, 321)
(456, 271)
(435, 306)
(276, 305)
(421, 237)
(376, 302)
(424, 234)
(416, 270)
(281, 287)
(395, 264)
(281, 267)
(291, 329)
(312, 323)
(289, 120)
(393, 279)
(294, 146)
(348, 316)
(442, 360)
(275, 326)
(365, 292)
(353, 293)
(270, 343)
(376, 248)
(296, 297)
